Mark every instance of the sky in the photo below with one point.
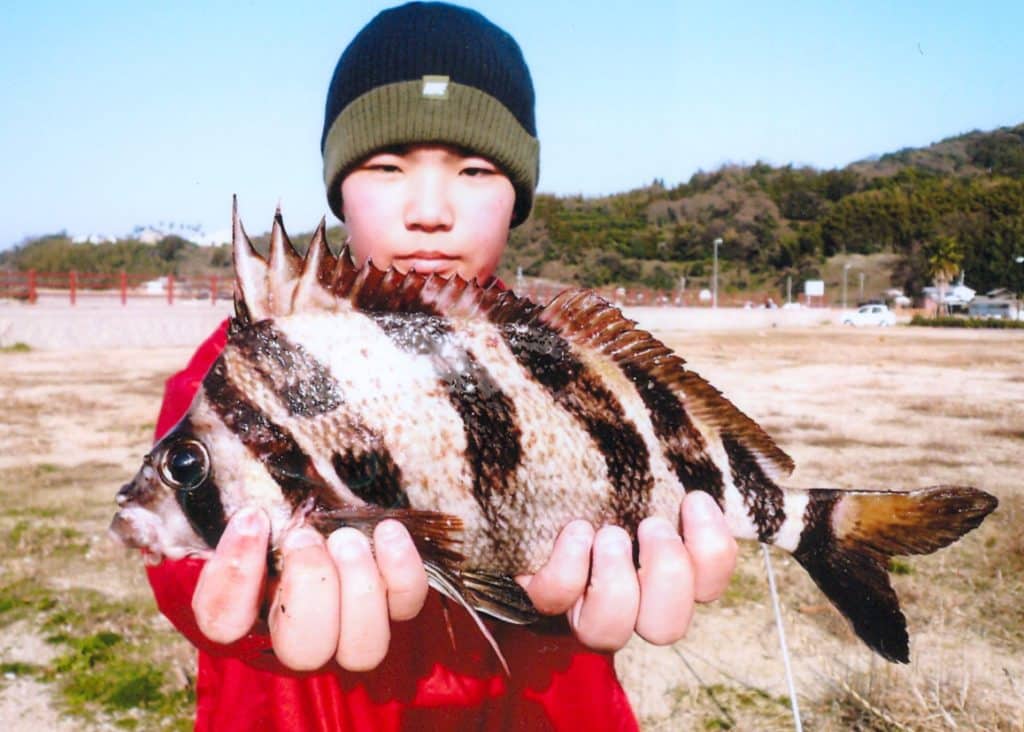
(122, 114)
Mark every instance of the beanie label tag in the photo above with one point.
(435, 87)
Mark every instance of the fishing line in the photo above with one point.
(797, 724)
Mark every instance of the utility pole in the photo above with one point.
(714, 286)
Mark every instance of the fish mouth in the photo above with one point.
(133, 533)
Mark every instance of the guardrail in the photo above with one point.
(27, 286)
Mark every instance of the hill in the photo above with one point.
(962, 197)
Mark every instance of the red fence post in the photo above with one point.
(72, 284)
(213, 289)
(170, 289)
(124, 287)
(32, 287)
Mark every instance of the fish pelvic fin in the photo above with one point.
(437, 538)
(849, 537)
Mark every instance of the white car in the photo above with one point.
(872, 314)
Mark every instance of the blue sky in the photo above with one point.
(117, 114)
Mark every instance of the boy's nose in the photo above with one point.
(428, 207)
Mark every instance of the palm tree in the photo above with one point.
(944, 257)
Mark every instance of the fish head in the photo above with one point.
(171, 507)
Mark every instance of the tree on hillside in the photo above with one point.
(944, 256)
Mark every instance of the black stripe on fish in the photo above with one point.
(265, 440)
(547, 356)
(201, 505)
(304, 385)
(373, 476)
(764, 500)
(683, 445)
(493, 436)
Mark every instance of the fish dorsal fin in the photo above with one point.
(251, 302)
(283, 269)
(324, 282)
(585, 318)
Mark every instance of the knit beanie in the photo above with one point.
(432, 73)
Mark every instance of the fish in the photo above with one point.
(485, 422)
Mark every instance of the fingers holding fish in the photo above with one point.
(556, 587)
(365, 630)
(401, 568)
(666, 583)
(304, 615)
(605, 616)
(710, 544)
(228, 594)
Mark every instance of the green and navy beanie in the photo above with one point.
(432, 72)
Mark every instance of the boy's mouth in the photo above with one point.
(427, 262)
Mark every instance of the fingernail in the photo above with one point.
(389, 531)
(247, 522)
(704, 509)
(300, 539)
(579, 536)
(612, 540)
(657, 528)
(347, 544)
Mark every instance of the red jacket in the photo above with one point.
(423, 683)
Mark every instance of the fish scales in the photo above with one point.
(485, 422)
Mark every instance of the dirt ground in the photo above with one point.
(895, 408)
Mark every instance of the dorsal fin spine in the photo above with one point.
(250, 269)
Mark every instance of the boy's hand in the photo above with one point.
(657, 600)
(333, 600)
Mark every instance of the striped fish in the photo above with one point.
(485, 423)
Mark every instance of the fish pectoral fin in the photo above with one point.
(449, 583)
(500, 596)
(436, 535)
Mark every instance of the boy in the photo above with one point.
(430, 156)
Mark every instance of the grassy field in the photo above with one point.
(82, 646)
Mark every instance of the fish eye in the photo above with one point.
(185, 465)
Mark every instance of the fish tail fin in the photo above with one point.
(849, 537)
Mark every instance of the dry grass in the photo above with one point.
(865, 410)
(81, 643)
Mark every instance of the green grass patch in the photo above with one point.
(34, 538)
(953, 321)
(899, 566)
(18, 668)
(112, 664)
(18, 347)
(744, 588)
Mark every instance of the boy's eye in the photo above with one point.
(477, 171)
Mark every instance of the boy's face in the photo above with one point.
(429, 208)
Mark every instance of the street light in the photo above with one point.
(1019, 260)
(846, 268)
(714, 281)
